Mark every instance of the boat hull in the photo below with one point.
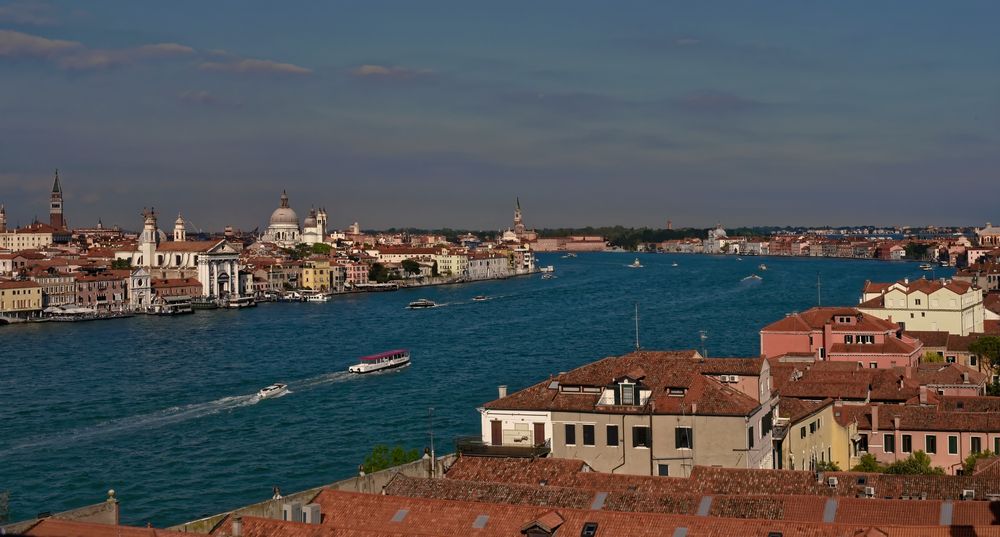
(364, 371)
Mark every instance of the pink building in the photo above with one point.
(104, 292)
(948, 433)
(842, 335)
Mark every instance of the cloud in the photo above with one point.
(715, 102)
(28, 13)
(17, 45)
(204, 98)
(255, 67)
(374, 71)
(74, 56)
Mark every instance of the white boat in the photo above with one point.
(241, 302)
(318, 297)
(480, 298)
(569, 255)
(549, 268)
(635, 264)
(421, 304)
(381, 361)
(925, 266)
(548, 276)
(762, 266)
(752, 278)
(273, 390)
(673, 265)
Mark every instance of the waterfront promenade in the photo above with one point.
(162, 410)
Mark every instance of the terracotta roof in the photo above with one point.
(655, 370)
(796, 409)
(18, 284)
(930, 339)
(55, 527)
(927, 418)
(187, 246)
(817, 318)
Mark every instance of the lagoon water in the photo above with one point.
(163, 409)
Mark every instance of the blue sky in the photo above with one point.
(439, 113)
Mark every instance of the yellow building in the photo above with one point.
(20, 298)
(949, 306)
(320, 275)
(31, 237)
(814, 435)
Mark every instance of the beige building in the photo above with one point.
(321, 275)
(814, 435)
(927, 305)
(20, 298)
(647, 413)
(32, 237)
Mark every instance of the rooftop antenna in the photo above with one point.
(636, 326)
(819, 291)
(704, 337)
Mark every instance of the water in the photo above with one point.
(164, 410)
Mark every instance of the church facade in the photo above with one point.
(283, 227)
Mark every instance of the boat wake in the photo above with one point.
(328, 378)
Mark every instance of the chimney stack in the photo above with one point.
(874, 419)
(923, 395)
(503, 390)
(237, 526)
(965, 377)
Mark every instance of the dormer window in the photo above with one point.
(675, 392)
(627, 393)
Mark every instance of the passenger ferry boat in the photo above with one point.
(381, 361)
(273, 390)
(318, 297)
(421, 304)
(241, 302)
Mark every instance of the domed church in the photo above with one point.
(283, 228)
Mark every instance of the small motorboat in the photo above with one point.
(635, 264)
(480, 298)
(548, 276)
(422, 303)
(925, 266)
(273, 390)
(752, 278)
(381, 361)
(673, 264)
(762, 266)
(569, 255)
(318, 297)
(549, 268)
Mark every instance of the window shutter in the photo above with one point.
(635, 398)
(618, 394)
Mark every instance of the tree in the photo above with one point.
(382, 457)
(917, 464)
(378, 273)
(121, 264)
(320, 248)
(868, 463)
(916, 250)
(931, 357)
(987, 348)
(410, 266)
(434, 269)
(969, 465)
(827, 466)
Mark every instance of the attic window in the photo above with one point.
(676, 392)
(565, 388)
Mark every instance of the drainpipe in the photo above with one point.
(621, 442)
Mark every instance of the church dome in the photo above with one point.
(284, 214)
(310, 220)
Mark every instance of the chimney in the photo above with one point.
(895, 423)
(237, 526)
(874, 419)
(965, 377)
(900, 382)
(906, 281)
(923, 395)
(503, 390)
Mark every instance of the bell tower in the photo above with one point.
(180, 230)
(149, 239)
(3, 219)
(56, 219)
(518, 222)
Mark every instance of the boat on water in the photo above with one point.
(241, 302)
(548, 276)
(422, 303)
(569, 255)
(752, 278)
(925, 266)
(381, 361)
(318, 297)
(204, 303)
(480, 298)
(273, 390)
(635, 264)
(549, 268)
(762, 266)
(673, 264)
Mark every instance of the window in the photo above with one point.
(802, 432)
(873, 365)
(916, 301)
(950, 359)
(640, 437)
(848, 339)
(612, 435)
(976, 444)
(628, 394)
(930, 444)
(996, 445)
(684, 438)
(888, 443)
(863, 443)
(952, 445)
(570, 434)
(812, 427)
(588, 435)
(750, 438)
(663, 469)
(973, 360)
(907, 443)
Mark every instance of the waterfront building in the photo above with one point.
(840, 334)
(283, 226)
(452, 263)
(20, 298)
(355, 272)
(140, 290)
(928, 305)
(214, 263)
(103, 292)
(487, 265)
(174, 287)
(652, 413)
(318, 274)
(58, 288)
(573, 243)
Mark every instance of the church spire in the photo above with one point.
(56, 218)
(56, 187)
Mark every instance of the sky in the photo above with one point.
(439, 113)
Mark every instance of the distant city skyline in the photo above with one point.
(440, 114)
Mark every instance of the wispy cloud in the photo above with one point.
(205, 98)
(716, 102)
(377, 72)
(74, 56)
(250, 66)
(28, 13)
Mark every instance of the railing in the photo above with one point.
(475, 447)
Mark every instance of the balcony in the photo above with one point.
(473, 446)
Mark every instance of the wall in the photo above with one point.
(105, 512)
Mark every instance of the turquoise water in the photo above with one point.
(162, 409)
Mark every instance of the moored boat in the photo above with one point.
(549, 268)
(241, 302)
(318, 297)
(381, 362)
(273, 390)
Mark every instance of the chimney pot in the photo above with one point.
(503, 390)
(895, 423)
